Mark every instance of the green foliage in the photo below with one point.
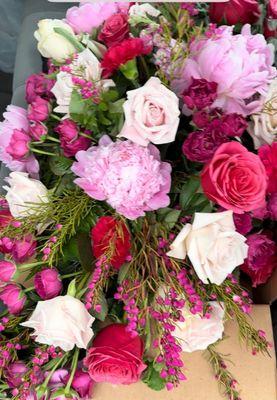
(60, 165)
(168, 216)
(103, 117)
(101, 300)
(151, 377)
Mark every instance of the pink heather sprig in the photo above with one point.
(8, 353)
(87, 89)
(127, 292)
(167, 313)
(196, 303)
(99, 277)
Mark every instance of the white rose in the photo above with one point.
(212, 244)
(143, 10)
(22, 192)
(86, 66)
(151, 114)
(197, 333)
(52, 44)
(61, 322)
(263, 127)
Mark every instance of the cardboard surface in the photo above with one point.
(256, 374)
(267, 293)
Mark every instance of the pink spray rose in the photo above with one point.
(261, 260)
(241, 65)
(151, 114)
(37, 130)
(235, 178)
(14, 373)
(243, 223)
(13, 297)
(23, 248)
(48, 283)
(71, 142)
(39, 109)
(86, 17)
(200, 94)
(38, 85)
(15, 118)
(268, 155)
(83, 384)
(19, 145)
(7, 270)
(233, 124)
(131, 178)
(115, 356)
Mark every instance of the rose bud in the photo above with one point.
(83, 384)
(37, 130)
(6, 245)
(18, 147)
(47, 283)
(39, 109)
(13, 297)
(14, 373)
(7, 270)
(24, 249)
(38, 85)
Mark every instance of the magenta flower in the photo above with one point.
(7, 270)
(37, 130)
(83, 384)
(13, 297)
(71, 142)
(131, 178)
(16, 119)
(47, 283)
(200, 94)
(39, 109)
(241, 65)
(38, 85)
(19, 145)
(14, 373)
(24, 248)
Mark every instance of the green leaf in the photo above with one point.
(85, 251)
(123, 272)
(70, 251)
(188, 190)
(71, 290)
(77, 103)
(152, 378)
(60, 165)
(71, 38)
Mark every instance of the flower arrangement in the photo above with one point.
(141, 196)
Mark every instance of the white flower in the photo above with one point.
(22, 192)
(87, 66)
(52, 44)
(263, 127)
(61, 322)
(197, 333)
(143, 10)
(212, 244)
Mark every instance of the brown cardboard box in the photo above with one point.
(267, 294)
(255, 374)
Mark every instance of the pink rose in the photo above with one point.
(18, 147)
(13, 298)
(115, 356)
(86, 17)
(151, 114)
(39, 109)
(24, 248)
(48, 283)
(71, 142)
(115, 29)
(268, 155)
(38, 85)
(7, 270)
(37, 130)
(235, 178)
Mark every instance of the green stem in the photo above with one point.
(145, 66)
(47, 153)
(49, 376)
(53, 139)
(29, 266)
(71, 38)
(71, 275)
(55, 117)
(84, 135)
(73, 370)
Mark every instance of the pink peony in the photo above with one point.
(241, 65)
(261, 260)
(15, 119)
(86, 17)
(131, 178)
(268, 155)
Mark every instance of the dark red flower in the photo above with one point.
(200, 94)
(233, 124)
(235, 11)
(38, 85)
(110, 237)
(115, 356)
(261, 260)
(121, 53)
(115, 29)
(268, 155)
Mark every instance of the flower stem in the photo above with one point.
(53, 139)
(55, 117)
(47, 153)
(73, 370)
(84, 135)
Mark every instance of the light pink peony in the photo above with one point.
(88, 16)
(241, 65)
(15, 118)
(131, 178)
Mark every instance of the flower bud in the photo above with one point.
(47, 283)
(13, 297)
(7, 270)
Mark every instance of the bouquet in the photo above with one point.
(141, 195)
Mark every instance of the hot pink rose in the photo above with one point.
(268, 155)
(37, 130)
(18, 147)
(71, 142)
(115, 356)
(13, 297)
(7, 270)
(48, 283)
(235, 178)
(24, 248)
(39, 109)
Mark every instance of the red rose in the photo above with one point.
(235, 11)
(115, 29)
(268, 155)
(121, 53)
(111, 236)
(235, 178)
(115, 357)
